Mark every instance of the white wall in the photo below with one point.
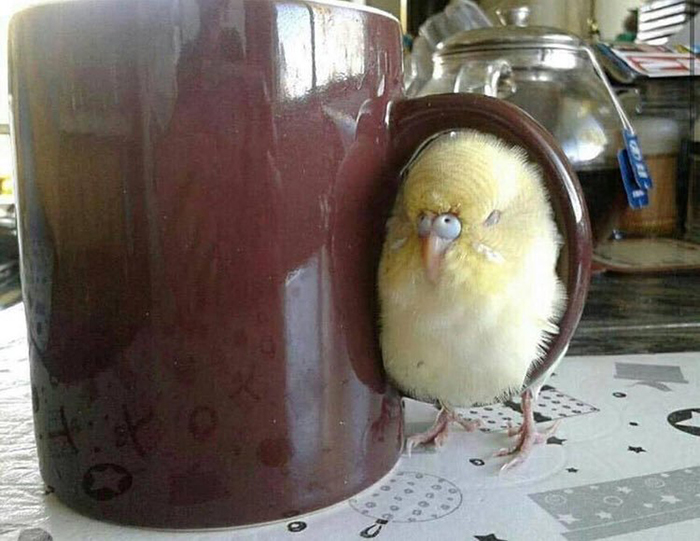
(7, 8)
(611, 13)
(392, 6)
(570, 15)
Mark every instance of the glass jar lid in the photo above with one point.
(510, 37)
(514, 34)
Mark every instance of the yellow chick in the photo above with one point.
(467, 281)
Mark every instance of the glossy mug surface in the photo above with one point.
(202, 188)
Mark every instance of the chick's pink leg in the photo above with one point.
(438, 433)
(527, 434)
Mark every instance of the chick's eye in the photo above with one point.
(424, 224)
(493, 218)
(447, 226)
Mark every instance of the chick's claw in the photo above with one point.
(527, 433)
(467, 424)
(541, 437)
(514, 430)
(437, 434)
(528, 439)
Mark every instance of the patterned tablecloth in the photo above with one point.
(625, 463)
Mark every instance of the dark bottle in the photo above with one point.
(418, 11)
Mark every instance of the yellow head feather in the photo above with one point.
(471, 174)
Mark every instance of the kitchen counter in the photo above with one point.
(640, 314)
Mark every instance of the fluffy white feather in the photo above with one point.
(471, 336)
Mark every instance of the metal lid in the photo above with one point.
(510, 37)
(515, 34)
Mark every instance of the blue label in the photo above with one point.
(639, 167)
(637, 195)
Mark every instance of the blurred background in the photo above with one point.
(9, 258)
(590, 71)
(572, 15)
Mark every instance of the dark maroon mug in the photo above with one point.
(202, 189)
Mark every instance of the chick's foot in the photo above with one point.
(437, 434)
(527, 433)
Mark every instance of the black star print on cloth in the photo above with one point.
(553, 440)
(489, 537)
(571, 470)
(636, 449)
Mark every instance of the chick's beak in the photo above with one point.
(437, 233)
(434, 248)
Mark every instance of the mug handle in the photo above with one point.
(414, 121)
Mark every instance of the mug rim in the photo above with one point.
(331, 3)
(352, 5)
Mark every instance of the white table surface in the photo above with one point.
(625, 464)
